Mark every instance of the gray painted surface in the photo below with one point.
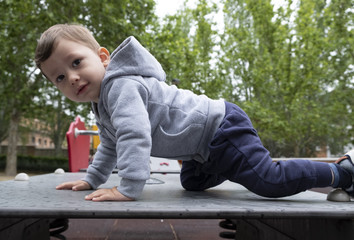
(37, 198)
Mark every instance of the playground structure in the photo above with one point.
(78, 145)
(28, 207)
(78, 139)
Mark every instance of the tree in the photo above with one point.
(18, 81)
(4, 120)
(282, 73)
(55, 113)
(204, 45)
(338, 21)
(170, 43)
(185, 46)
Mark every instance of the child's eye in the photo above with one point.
(76, 62)
(60, 78)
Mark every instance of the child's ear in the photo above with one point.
(104, 56)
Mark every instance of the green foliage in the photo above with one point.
(17, 28)
(172, 46)
(292, 71)
(185, 45)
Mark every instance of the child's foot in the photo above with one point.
(347, 163)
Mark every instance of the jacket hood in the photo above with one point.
(131, 58)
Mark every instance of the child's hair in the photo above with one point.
(73, 32)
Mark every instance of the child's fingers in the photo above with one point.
(81, 186)
(62, 186)
(75, 186)
(107, 195)
(97, 195)
(100, 198)
(101, 195)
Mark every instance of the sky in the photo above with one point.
(164, 7)
(169, 7)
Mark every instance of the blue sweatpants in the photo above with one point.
(237, 154)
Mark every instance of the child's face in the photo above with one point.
(76, 70)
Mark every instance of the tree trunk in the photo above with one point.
(11, 158)
(58, 125)
(296, 150)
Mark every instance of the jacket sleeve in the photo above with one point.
(105, 160)
(127, 101)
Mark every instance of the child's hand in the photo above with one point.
(105, 194)
(75, 186)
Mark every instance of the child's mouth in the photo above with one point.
(81, 89)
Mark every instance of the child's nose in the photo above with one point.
(73, 82)
(73, 78)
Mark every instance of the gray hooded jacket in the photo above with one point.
(139, 115)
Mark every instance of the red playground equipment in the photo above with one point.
(78, 146)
